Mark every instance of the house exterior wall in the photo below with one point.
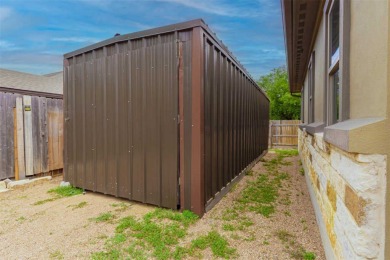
(368, 59)
(319, 93)
(305, 102)
(346, 164)
(348, 191)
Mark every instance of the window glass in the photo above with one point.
(334, 32)
(336, 94)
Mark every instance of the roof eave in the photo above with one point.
(301, 19)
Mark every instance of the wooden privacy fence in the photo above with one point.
(31, 135)
(283, 133)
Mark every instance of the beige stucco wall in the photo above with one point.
(369, 58)
(319, 48)
(306, 102)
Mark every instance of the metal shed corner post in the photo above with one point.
(197, 137)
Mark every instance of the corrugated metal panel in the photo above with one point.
(236, 120)
(121, 127)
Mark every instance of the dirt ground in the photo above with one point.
(66, 228)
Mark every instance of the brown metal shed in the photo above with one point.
(165, 116)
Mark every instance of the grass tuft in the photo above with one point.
(218, 244)
(66, 191)
(60, 192)
(78, 206)
(104, 217)
(154, 236)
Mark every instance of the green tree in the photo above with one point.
(283, 105)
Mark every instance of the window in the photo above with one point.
(337, 35)
(334, 28)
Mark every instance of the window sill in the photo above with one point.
(315, 127)
(363, 135)
(302, 126)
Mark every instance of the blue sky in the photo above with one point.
(34, 34)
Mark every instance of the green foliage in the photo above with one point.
(104, 217)
(59, 193)
(309, 256)
(156, 235)
(218, 244)
(283, 105)
(78, 206)
(66, 191)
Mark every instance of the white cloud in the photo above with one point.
(7, 46)
(75, 39)
(5, 12)
(214, 7)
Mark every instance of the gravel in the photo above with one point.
(64, 228)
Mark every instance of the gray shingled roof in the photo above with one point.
(50, 83)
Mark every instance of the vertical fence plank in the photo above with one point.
(60, 122)
(15, 146)
(10, 103)
(35, 111)
(44, 138)
(3, 157)
(20, 137)
(29, 153)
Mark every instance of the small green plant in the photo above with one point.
(122, 206)
(21, 219)
(249, 173)
(284, 235)
(60, 192)
(111, 254)
(40, 202)
(265, 242)
(104, 217)
(218, 244)
(235, 236)
(228, 227)
(302, 171)
(309, 256)
(79, 205)
(287, 153)
(56, 255)
(66, 191)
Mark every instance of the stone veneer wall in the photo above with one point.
(348, 193)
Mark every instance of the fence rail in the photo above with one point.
(283, 133)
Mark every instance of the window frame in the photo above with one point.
(311, 89)
(341, 64)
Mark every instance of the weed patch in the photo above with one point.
(104, 217)
(293, 248)
(120, 207)
(66, 191)
(56, 255)
(155, 235)
(218, 244)
(78, 206)
(60, 192)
